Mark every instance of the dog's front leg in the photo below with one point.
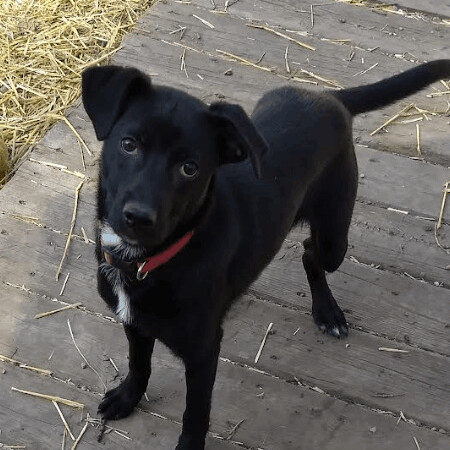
(120, 401)
(200, 377)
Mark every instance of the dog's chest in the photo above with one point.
(149, 299)
(121, 302)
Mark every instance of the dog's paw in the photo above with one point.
(188, 442)
(331, 320)
(120, 401)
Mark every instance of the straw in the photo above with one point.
(395, 117)
(81, 354)
(208, 24)
(45, 46)
(12, 447)
(75, 444)
(263, 342)
(54, 311)
(392, 350)
(242, 60)
(285, 36)
(72, 225)
(444, 198)
(64, 421)
(25, 366)
(64, 401)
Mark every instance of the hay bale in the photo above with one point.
(44, 46)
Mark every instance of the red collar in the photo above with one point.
(155, 261)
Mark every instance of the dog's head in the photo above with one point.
(161, 150)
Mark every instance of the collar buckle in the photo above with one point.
(139, 275)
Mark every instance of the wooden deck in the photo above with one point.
(308, 391)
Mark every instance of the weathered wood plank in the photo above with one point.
(390, 183)
(277, 414)
(48, 194)
(374, 300)
(232, 34)
(363, 28)
(35, 423)
(440, 8)
(359, 371)
(329, 60)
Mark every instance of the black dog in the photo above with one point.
(195, 200)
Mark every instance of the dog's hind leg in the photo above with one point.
(326, 312)
(330, 214)
(120, 401)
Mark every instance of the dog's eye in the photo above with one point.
(129, 145)
(189, 169)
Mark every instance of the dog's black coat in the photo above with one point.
(293, 161)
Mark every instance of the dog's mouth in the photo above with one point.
(121, 246)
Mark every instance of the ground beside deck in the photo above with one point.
(308, 391)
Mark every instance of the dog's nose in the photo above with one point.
(137, 214)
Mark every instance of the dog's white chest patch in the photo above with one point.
(123, 308)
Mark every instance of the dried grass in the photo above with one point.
(242, 60)
(392, 350)
(101, 425)
(444, 198)
(263, 342)
(72, 225)
(54, 311)
(64, 421)
(81, 354)
(233, 430)
(78, 439)
(24, 365)
(61, 400)
(285, 36)
(44, 46)
(12, 447)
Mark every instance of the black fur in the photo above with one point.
(299, 146)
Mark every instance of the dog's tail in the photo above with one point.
(367, 98)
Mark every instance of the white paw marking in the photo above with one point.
(335, 331)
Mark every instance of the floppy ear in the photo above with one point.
(237, 136)
(106, 91)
